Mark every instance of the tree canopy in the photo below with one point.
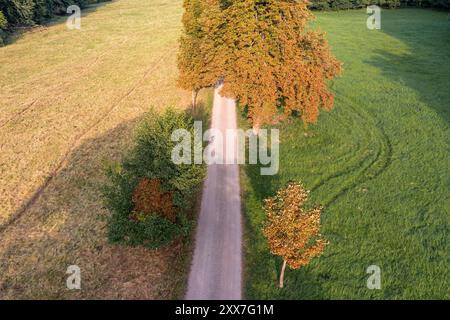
(292, 231)
(268, 59)
(196, 47)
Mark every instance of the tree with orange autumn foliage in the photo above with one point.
(197, 47)
(272, 65)
(249, 58)
(293, 232)
(149, 199)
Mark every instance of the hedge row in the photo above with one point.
(444, 4)
(15, 13)
(353, 4)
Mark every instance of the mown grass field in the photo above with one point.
(379, 163)
(69, 100)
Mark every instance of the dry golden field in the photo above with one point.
(70, 99)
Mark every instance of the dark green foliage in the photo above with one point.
(319, 5)
(3, 25)
(3, 21)
(31, 12)
(15, 13)
(440, 4)
(18, 12)
(342, 4)
(153, 232)
(444, 4)
(42, 11)
(151, 158)
(353, 4)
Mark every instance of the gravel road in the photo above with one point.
(216, 271)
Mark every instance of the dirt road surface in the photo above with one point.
(216, 271)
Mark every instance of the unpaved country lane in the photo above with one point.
(216, 271)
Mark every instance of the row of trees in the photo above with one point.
(15, 13)
(351, 4)
(263, 51)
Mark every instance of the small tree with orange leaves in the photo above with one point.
(293, 233)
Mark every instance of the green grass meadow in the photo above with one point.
(379, 163)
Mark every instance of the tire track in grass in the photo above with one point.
(77, 141)
(349, 158)
(352, 161)
(383, 155)
(363, 176)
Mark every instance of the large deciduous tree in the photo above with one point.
(292, 231)
(272, 64)
(196, 70)
(249, 58)
(262, 49)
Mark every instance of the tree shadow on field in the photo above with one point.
(203, 110)
(263, 186)
(19, 32)
(66, 225)
(424, 68)
(200, 113)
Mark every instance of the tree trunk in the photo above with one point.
(282, 274)
(256, 128)
(194, 98)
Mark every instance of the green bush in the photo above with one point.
(151, 158)
(43, 10)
